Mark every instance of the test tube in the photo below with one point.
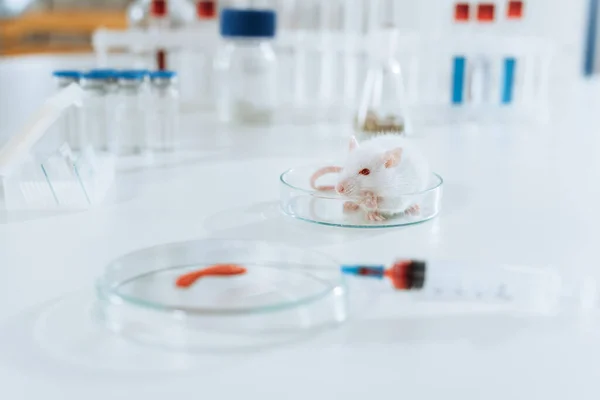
(69, 124)
(164, 123)
(158, 20)
(131, 111)
(352, 28)
(200, 77)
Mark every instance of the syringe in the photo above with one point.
(440, 280)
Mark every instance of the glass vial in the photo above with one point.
(94, 113)
(383, 107)
(196, 65)
(164, 115)
(246, 67)
(131, 112)
(111, 86)
(69, 124)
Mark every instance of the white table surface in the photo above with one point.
(526, 196)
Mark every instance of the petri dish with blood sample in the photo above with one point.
(299, 200)
(220, 294)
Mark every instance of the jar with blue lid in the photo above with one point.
(246, 66)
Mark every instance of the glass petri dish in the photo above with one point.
(300, 201)
(285, 295)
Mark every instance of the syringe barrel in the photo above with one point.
(441, 280)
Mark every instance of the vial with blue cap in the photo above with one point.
(110, 77)
(95, 110)
(64, 78)
(70, 123)
(246, 66)
(132, 111)
(164, 112)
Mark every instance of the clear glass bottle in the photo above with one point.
(131, 112)
(383, 107)
(94, 112)
(164, 112)
(69, 125)
(246, 67)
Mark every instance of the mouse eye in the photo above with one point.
(364, 171)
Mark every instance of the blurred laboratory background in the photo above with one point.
(376, 65)
(484, 59)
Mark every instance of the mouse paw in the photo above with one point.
(413, 210)
(350, 206)
(374, 216)
(370, 200)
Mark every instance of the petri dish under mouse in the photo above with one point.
(299, 200)
(284, 294)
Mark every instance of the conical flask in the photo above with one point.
(383, 106)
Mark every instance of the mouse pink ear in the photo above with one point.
(353, 145)
(391, 158)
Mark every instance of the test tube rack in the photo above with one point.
(469, 76)
(38, 169)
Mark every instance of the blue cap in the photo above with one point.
(248, 23)
(107, 71)
(99, 74)
(163, 74)
(133, 74)
(67, 74)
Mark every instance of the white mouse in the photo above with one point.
(376, 175)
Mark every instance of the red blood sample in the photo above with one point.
(158, 8)
(461, 12)
(161, 60)
(206, 9)
(187, 280)
(515, 9)
(485, 12)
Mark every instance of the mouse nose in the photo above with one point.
(340, 188)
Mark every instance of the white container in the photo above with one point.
(246, 67)
(38, 171)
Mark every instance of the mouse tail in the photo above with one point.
(319, 173)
